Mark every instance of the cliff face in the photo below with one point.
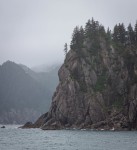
(97, 88)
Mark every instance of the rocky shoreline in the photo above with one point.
(117, 123)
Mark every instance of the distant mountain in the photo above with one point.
(24, 94)
(48, 79)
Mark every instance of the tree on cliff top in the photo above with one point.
(65, 49)
(77, 38)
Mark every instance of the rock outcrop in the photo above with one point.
(24, 94)
(97, 88)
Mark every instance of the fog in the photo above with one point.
(33, 32)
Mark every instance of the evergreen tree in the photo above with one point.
(94, 26)
(74, 40)
(109, 36)
(92, 29)
(77, 38)
(135, 32)
(88, 29)
(119, 34)
(81, 36)
(131, 35)
(122, 33)
(115, 33)
(65, 49)
(101, 31)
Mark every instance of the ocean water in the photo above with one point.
(12, 138)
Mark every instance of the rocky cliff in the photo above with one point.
(97, 85)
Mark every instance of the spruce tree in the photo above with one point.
(65, 49)
(115, 33)
(92, 29)
(88, 29)
(101, 31)
(135, 32)
(122, 33)
(94, 26)
(81, 36)
(119, 34)
(131, 35)
(77, 38)
(75, 35)
(108, 36)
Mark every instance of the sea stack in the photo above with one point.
(97, 82)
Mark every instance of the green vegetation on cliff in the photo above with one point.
(120, 37)
(93, 38)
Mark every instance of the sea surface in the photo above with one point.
(13, 138)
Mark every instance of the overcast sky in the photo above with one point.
(33, 32)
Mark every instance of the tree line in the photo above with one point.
(93, 30)
(125, 36)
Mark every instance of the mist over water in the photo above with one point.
(12, 138)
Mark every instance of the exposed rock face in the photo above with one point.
(97, 89)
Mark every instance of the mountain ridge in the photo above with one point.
(24, 94)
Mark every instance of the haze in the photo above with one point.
(33, 32)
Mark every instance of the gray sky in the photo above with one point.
(33, 32)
